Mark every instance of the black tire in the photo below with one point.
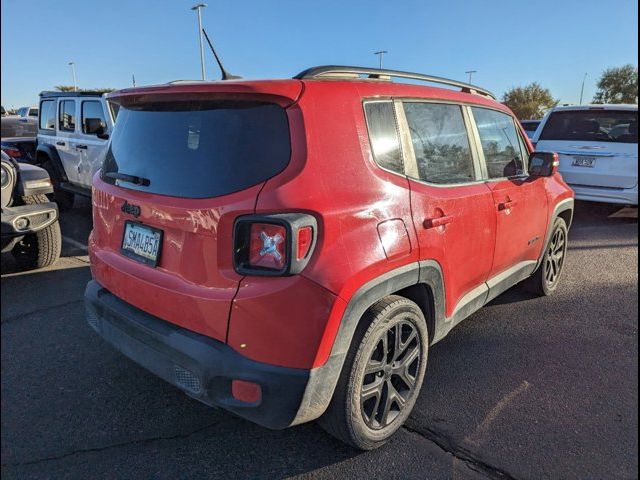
(546, 278)
(63, 198)
(42, 248)
(354, 416)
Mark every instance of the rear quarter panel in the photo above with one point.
(332, 176)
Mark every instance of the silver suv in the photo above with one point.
(73, 134)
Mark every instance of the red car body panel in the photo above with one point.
(463, 248)
(522, 217)
(370, 221)
(194, 282)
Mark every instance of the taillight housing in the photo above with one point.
(274, 245)
(12, 152)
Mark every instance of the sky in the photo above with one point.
(510, 43)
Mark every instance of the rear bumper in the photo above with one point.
(37, 216)
(623, 196)
(199, 365)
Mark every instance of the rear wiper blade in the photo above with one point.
(145, 182)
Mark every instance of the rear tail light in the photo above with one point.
(267, 247)
(305, 239)
(274, 245)
(12, 152)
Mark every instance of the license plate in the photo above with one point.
(142, 243)
(584, 162)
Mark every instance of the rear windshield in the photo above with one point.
(592, 126)
(530, 126)
(198, 149)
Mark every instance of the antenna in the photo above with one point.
(225, 75)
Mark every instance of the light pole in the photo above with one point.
(73, 73)
(582, 89)
(471, 72)
(198, 7)
(380, 54)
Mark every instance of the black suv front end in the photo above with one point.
(29, 220)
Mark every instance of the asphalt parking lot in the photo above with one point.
(525, 388)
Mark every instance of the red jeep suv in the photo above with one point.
(290, 249)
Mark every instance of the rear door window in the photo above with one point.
(198, 149)
(617, 126)
(67, 116)
(440, 142)
(501, 144)
(92, 111)
(48, 115)
(383, 135)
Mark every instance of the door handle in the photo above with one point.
(437, 222)
(62, 144)
(507, 205)
(81, 147)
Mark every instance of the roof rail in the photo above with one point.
(337, 71)
(84, 93)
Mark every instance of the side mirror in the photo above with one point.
(543, 164)
(94, 126)
(103, 136)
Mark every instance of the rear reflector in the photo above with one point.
(247, 392)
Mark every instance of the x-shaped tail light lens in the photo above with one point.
(268, 246)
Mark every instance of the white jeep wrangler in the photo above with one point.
(73, 137)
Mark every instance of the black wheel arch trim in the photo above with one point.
(566, 205)
(51, 152)
(323, 379)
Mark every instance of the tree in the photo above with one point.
(618, 85)
(70, 88)
(529, 102)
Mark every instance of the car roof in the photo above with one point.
(49, 94)
(621, 106)
(368, 82)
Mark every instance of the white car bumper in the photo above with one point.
(623, 196)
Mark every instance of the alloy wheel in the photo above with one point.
(390, 374)
(555, 257)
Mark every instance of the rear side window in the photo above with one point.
(383, 135)
(198, 149)
(93, 112)
(501, 144)
(530, 126)
(440, 142)
(115, 108)
(48, 115)
(67, 116)
(592, 126)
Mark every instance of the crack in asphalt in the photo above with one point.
(38, 310)
(462, 454)
(80, 451)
